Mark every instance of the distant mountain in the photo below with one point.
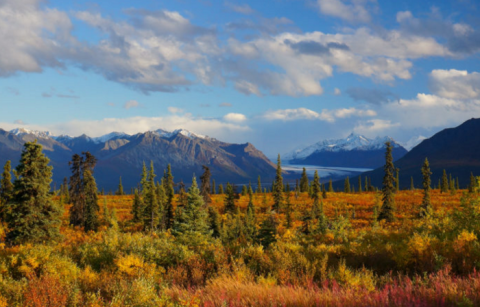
(414, 141)
(457, 150)
(120, 154)
(352, 151)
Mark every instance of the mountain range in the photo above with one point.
(122, 155)
(355, 151)
(457, 150)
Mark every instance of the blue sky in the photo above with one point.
(279, 74)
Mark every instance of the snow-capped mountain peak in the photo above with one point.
(109, 136)
(351, 142)
(39, 134)
(414, 141)
(184, 132)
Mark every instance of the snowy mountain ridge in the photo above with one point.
(350, 143)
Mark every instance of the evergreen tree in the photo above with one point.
(259, 185)
(65, 193)
(214, 187)
(194, 220)
(473, 184)
(268, 231)
(288, 212)
(250, 190)
(304, 181)
(205, 184)
(346, 186)
(32, 215)
(170, 194)
(330, 186)
(397, 181)
(250, 220)
(214, 222)
(244, 190)
(144, 180)
(220, 189)
(360, 184)
(230, 200)
(162, 200)
(316, 188)
(457, 186)
(324, 191)
(388, 190)
(322, 221)
(6, 190)
(426, 208)
(412, 187)
(182, 195)
(366, 184)
(150, 210)
(444, 183)
(137, 208)
(278, 188)
(91, 201)
(83, 192)
(120, 188)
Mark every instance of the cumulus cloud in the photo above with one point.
(235, 117)
(337, 92)
(131, 104)
(32, 37)
(455, 84)
(19, 122)
(375, 127)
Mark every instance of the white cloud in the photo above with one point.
(455, 84)
(354, 12)
(375, 127)
(235, 117)
(131, 104)
(240, 8)
(175, 110)
(31, 36)
(337, 92)
(132, 125)
(325, 115)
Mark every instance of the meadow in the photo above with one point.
(356, 261)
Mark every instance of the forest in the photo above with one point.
(209, 244)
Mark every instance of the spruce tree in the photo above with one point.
(244, 190)
(444, 184)
(120, 188)
(6, 189)
(144, 181)
(162, 200)
(324, 191)
(360, 184)
(316, 188)
(32, 215)
(194, 220)
(330, 186)
(205, 184)
(346, 186)
(259, 185)
(268, 231)
(322, 221)
(91, 221)
(65, 193)
(150, 210)
(214, 187)
(137, 208)
(426, 207)
(366, 184)
(250, 220)
(473, 184)
(220, 189)
(288, 212)
(388, 190)
(170, 194)
(457, 185)
(278, 188)
(397, 181)
(304, 181)
(83, 192)
(230, 200)
(214, 222)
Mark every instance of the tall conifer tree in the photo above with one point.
(32, 215)
(426, 208)
(304, 181)
(388, 190)
(278, 188)
(6, 189)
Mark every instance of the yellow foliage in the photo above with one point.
(130, 265)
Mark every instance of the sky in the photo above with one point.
(280, 74)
